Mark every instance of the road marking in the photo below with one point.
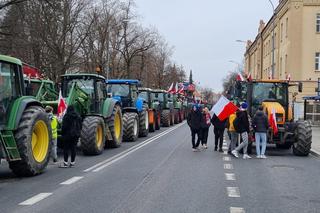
(226, 158)
(225, 152)
(71, 180)
(225, 147)
(35, 199)
(230, 176)
(228, 166)
(108, 162)
(237, 210)
(233, 192)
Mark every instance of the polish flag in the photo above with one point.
(273, 122)
(240, 77)
(181, 91)
(62, 106)
(170, 88)
(176, 89)
(223, 108)
(249, 77)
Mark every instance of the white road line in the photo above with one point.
(226, 158)
(228, 166)
(225, 152)
(130, 149)
(233, 192)
(125, 154)
(230, 176)
(35, 199)
(225, 148)
(71, 180)
(237, 210)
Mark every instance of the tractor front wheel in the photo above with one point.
(130, 126)
(303, 139)
(144, 122)
(166, 118)
(92, 135)
(115, 125)
(33, 138)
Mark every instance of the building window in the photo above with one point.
(318, 23)
(317, 64)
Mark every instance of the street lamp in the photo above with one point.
(273, 26)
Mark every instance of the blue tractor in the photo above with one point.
(134, 108)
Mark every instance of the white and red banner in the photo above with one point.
(172, 89)
(62, 106)
(273, 122)
(223, 108)
(240, 77)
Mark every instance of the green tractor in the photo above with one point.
(102, 117)
(166, 106)
(25, 129)
(43, 90)
(178, 109)
(154, 110)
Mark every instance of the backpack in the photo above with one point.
(236, 124)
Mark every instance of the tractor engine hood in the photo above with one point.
(279, 109)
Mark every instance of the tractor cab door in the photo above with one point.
(100, 96)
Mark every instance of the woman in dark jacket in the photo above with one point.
(205, 124)
(194, 120)
(219, 127)
(71, 129)
(260, 125)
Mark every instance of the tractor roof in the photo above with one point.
(123, 81)
(145, 89)
(159, 91)
(79, 75)
(10, 59)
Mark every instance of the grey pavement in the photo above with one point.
(316, 140)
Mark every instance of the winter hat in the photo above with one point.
(244, 105)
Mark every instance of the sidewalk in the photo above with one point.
(315, 147)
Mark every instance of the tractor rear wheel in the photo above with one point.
(166, 118)
(152, 124)
(303, 139)
(33, 138)
(158, 121)
(92, 135)
(130, 126)
(144, 122)
(115, 125)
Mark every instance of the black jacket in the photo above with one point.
(260, 122)
(217, 123)
(204, 123)
(244, 125)
(71, 124)
(195, 119)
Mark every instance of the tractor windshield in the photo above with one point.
(144, 95)
(161, 97)
(86, 85)
(121, 90)
(269, 91)
(7, 89)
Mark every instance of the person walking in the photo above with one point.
(242, 126)
(194, 121)
(205, 124)
(54, 125)
(260, 125)
(219, 127)
(234, 136)
(71, 129)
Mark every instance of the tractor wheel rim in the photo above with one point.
(147, 120)
(117, 126)
(40, 141)
(99, 136)
(135, 127)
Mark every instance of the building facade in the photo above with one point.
(296, 29)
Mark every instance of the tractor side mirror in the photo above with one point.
(300, 86)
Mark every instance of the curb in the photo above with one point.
(315, 153)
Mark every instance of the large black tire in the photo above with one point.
(158, 121)
(130, 126)
(144, 121)
(166, 118)
(93, 135)
(152, 126)
(303, 139)
(34, 123)
(115, 123)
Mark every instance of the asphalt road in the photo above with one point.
(161, 174)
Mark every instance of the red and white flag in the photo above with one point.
(273, 122)
(62, 106)
(240, 77)
(176, 89)
(170, 88)
(249, 77)
(223, 108)
(181, 91)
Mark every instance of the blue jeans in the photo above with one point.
(261, 139)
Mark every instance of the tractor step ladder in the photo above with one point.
(9, 145)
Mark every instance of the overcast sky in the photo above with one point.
(203, 32)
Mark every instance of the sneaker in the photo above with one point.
(215, 148)
(55, 160)
(194, 149)
(246, 156)
(220, 150)
(263, 157)
(64, 165)
(72, 164)
(235, 153)
(258, 156)
(205, 146)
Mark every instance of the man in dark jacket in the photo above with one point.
(194, 121)
(71, 129)
(242, 126)
(260, 125)
(218, 129)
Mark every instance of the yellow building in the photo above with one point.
(296, 25)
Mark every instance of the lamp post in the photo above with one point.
(273, 26)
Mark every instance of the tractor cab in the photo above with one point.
(11, 82)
